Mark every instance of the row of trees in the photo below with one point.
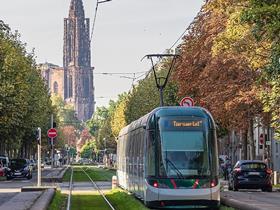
(24, 100)
(229, 64)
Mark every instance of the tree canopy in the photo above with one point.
(24, 100)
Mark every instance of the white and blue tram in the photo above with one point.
(169, 158)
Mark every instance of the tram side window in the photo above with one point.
(151, 154)
(213, 152)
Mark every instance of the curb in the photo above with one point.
(43, 202)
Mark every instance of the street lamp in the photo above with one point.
(96, 8)
(161, 81)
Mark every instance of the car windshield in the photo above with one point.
(253, 166)
(18, 162)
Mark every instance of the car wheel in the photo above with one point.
(230, 187)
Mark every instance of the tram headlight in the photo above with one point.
(214, 182)
(155, 184)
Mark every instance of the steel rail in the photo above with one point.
(99, 190)
(70, 190)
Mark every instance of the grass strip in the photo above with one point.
(59, 201)
(122, 200)
(97, 174)
(88, 202)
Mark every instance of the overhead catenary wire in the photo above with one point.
(177, 40)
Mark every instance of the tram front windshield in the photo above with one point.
(184, 149)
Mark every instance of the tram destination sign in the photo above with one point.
(182, 124)
(194, 123)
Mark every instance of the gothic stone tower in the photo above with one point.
(78, 73)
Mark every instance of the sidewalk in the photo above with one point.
(55, 174)
(36, 200)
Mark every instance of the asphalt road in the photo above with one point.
(21, 182)
(255, 198)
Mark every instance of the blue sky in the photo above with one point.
(124, 32)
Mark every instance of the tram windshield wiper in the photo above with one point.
(178, 172)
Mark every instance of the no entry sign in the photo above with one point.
(52, 133)
(187, 101)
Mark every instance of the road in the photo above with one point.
(9, 189)
(21, 182)
(257, 198)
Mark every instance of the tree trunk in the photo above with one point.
(245, 144)
(252, 140)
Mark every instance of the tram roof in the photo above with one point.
(168, 111)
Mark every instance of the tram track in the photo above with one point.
(94, 185)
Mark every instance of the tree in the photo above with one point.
(100, 127)
(118, 117)
(264, 20)
(218, 66)
(88, 149)
(24, 100)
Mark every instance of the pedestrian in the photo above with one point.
(227, 168)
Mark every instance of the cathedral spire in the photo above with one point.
(78, 76)
(76, 9)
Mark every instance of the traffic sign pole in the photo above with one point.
(39, 158)
(52, 143)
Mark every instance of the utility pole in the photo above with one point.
(52, 143)
(38, 136)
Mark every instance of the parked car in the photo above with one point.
(2, 171)
(19, 168)
(250, 174)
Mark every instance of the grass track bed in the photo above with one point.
(88, 202)
(97, 174)
(59, 201)
(120, 200)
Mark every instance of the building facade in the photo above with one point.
(74, 81)
(54, 78)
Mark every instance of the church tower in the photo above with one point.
(78, 73)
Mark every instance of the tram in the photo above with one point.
(169, 159)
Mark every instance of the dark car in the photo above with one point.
(19, 168)
(250, 174)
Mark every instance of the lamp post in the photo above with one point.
(161, 81)
(96, 8)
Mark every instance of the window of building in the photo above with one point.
(86, 87)
(70, 87)
(55, 87)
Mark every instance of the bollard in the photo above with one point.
(114, 182)
(275, 178)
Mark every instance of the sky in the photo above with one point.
(124, 32)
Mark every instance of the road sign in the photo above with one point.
(187, 101)
(52, 133)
